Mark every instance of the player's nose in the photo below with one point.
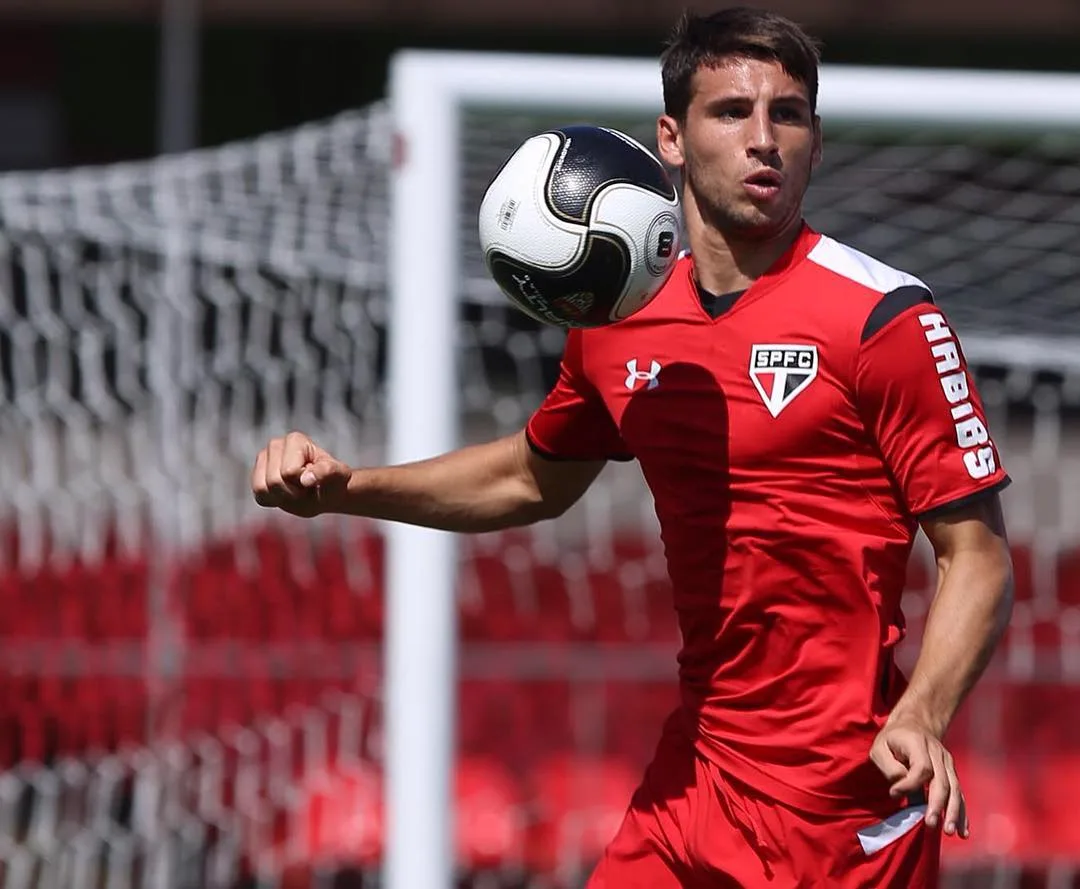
(762, 133)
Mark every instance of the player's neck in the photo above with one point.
(724, 262)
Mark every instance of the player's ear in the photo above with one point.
(818, 150)
(669, 140)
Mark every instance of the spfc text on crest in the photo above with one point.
(780, 372)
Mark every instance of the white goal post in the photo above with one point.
(429, 92)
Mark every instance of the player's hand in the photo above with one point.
(912, 758)
(296, 475)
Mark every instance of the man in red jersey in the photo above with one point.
(799, 410)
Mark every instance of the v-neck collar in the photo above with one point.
(793, 257)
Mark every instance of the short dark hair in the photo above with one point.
(707, 40)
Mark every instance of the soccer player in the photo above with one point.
(799, 411)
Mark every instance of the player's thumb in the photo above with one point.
(324, 473)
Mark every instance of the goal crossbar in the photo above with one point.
(927, 96)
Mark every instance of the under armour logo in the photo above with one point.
(650, 377)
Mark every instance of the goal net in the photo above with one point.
(179, 669)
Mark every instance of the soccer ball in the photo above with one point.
(581, 226)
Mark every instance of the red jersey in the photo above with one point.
(791, 446)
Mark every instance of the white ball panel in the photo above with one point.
(514, 216)
(637, 216)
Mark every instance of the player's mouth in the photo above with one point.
(764, 185)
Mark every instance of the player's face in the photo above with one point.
(746, 148)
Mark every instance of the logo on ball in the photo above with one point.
(574, 305)
(660, 243)
(533, 299)
(507, 212)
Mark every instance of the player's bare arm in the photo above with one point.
(485, 487)
(968, 615)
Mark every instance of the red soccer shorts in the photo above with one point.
(688, 827)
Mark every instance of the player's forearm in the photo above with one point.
(966, 620)
(480, 488)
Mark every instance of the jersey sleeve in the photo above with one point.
(573, 423)
(915, 394)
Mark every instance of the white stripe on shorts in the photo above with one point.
(878, 836)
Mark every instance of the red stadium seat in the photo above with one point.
(337, 818)
(299, 591)
(551, 615)
(1023, 572)
(638, 606)
(1037, 641)
(1040, 718)
(370, 612)
(33, 607)
(485, 710)
(122, 611)
(33, 732)
(629, 607)
(1056, 779)
(580, 802)
(517, 721)
(1068, 578)
(488, 607)
(341, 619)
(635, 712)
(488, 814)
(997, 800)
(1047, 639)
(75, 610)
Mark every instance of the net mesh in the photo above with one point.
(159, 321)
(271, 803)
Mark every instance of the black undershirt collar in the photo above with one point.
(716, 304)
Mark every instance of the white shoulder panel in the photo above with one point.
(860, 267)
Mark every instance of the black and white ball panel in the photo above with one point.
(591, 158)
(617, 212)
(580, 227)
(580, 296)
(515, 215)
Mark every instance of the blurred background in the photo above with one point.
(193, 258)
(79, 81)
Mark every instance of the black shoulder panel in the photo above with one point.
(892, 304)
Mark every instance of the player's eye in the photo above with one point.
(788, 114)
(730, 112)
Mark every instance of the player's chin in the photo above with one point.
(747, 220)
(769, 219)
(760, 226)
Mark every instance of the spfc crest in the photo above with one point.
(781, 372)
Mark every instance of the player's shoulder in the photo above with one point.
(882, 292)
(849, 264)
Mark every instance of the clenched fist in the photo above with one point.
(296, 475)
